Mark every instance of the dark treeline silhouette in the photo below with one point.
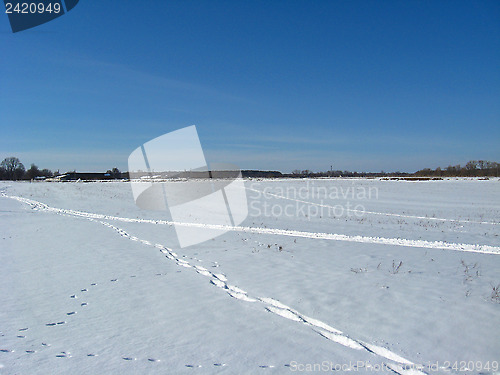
(11, 168)
(307, 173)
(474, 168)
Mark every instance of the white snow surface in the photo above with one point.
(401, 282)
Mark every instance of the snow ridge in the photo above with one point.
(484, 249)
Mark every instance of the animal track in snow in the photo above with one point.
(64, 355)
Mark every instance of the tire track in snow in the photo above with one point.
(484, 249)
(400, 365)
(264, 193)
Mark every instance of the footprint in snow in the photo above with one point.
(204, 273)
(241, 296)
(220, 276)
(283, 313)
(236, 289)
(218, 283)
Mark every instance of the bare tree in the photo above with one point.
(33, 172)
(13, 168)
(46, 172)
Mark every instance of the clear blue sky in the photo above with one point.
(363, 85)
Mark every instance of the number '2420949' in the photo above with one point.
(26, 8)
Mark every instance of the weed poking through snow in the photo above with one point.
(396, 267)
(495, 293)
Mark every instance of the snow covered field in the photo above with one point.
(358, 275)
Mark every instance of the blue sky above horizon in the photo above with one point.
(281, 85)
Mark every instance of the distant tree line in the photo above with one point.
(338, 173)
(11, 168)
(474, 168)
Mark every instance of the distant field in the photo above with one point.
(345, 274)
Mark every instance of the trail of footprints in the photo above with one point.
(396, 363)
